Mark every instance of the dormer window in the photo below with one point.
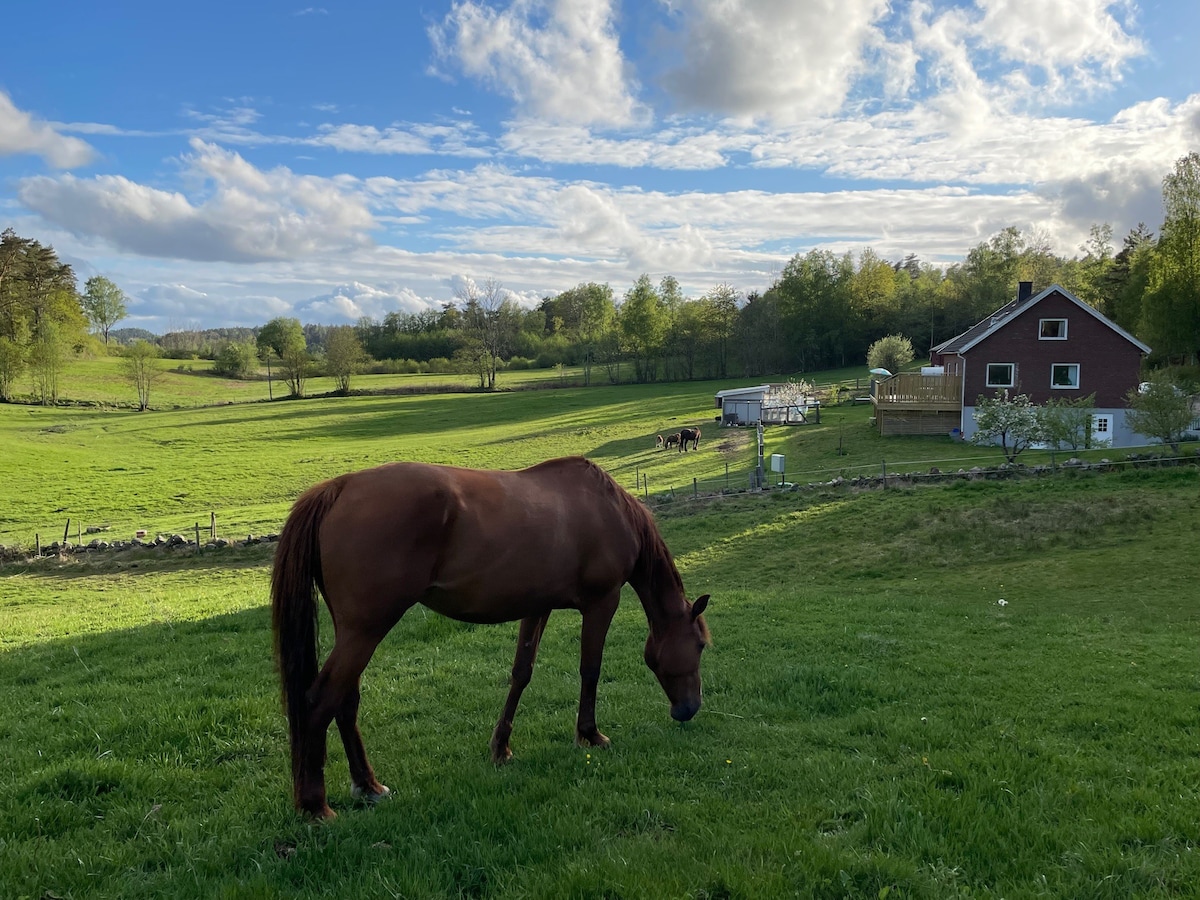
(1052, 329)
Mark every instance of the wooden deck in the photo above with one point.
(911, 403)
(910, 390)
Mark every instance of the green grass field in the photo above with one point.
(876, 722)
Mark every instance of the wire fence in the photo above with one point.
(885, 474)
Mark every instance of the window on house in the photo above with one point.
(1052, 329)
(1064, 375)
(1001, 375)
(1101, 425)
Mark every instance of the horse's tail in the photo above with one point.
(294, 581)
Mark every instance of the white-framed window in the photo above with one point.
(1064, 376)
(1052, 329)
(1001, 375)
(1102, 426)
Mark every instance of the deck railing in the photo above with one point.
(915, 390)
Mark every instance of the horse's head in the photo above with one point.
(674, 658)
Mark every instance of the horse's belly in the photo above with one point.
(488, 609)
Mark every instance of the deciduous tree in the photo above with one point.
(103, 304)
(892, 352)
(1013, 422)
(1171, 307)
(284, 337)
(344, 356)
(139, 368)
(1159, 409)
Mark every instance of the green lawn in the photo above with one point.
(876, 723)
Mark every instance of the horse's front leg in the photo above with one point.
(596, 619)
(522, 671)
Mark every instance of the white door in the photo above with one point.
(1102, 430)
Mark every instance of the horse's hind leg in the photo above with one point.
(596, 619)
(522, 671)
(335, 694)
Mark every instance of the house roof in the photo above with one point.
(1005, 314)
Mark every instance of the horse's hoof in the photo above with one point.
(369, 795)
(324, 814)
(501, 756)
(595, 739)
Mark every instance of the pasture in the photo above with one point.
(876, 722)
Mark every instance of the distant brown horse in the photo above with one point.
(670, 440)
(477, 546)
(689, 435)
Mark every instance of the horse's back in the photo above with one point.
(474, 544)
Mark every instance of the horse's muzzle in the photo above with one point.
(682, 712)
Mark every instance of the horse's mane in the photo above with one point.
(655, 562)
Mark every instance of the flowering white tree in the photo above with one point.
(790, 393)
(1014, 423)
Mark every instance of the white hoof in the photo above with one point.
(369, 796)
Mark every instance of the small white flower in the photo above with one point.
(1002, 602)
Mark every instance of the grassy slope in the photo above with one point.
(165, 470)
(875, 720)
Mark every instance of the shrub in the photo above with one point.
(892, 352)
(1067, 424)
(237, 359)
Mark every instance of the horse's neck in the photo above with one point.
(657, 583)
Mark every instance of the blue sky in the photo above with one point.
(232, 162)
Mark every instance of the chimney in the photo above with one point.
(1024, 291)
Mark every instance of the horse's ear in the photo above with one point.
(699, 606)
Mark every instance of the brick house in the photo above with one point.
(1047, 345)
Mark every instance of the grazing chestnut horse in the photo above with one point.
(687, 435)
(477, 546)
(671, 440)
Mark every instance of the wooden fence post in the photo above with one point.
(67, 530)
(884, 462)
(197, 538)
(37, 543)
(212, 528)
(694, 489)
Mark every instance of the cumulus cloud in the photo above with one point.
(347, 303)
(1080, 42)
(21, 133)
(173, 305)
(559, 60)
(245, 214)
(776, 59)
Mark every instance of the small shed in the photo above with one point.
(742, 406)
(767, 403)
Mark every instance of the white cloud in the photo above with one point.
(173, 306)
(21, 133)
(455, 139)
(245, 214)
(665, 149)
(559, 60)
(1076, 43)
(347, 303)
(775, 59)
